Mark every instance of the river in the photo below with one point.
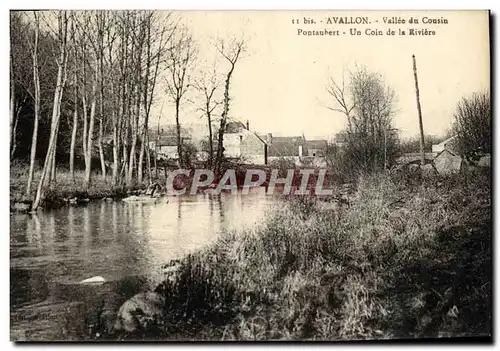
(50, 252)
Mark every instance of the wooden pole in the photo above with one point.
(422, 153)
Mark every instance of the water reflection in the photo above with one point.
(51, 251)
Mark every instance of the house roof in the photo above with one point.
(234, 127)
(286, 146)
(447, 140)
(169, 140)
(259, 137)
(317, 144)
(446, 152)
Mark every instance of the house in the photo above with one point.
(290, 147)
(166, 147)
(448, 144)
(297, 149)
(316, 148)
(446, 162)
(241, 143)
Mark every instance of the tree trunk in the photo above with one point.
(148, 158)
(101, 151)
(11, 112)
(34, 138)
(52, 164)
(134, 124)
(14, 129)
(90, 136)
(101, 23)
(141, 158)
(178, 128)
(225, 112)
(210, 136)
(85, 114)
(56, 109)
(156, 144)
(117, 120)
(73, 132)
(115, 157)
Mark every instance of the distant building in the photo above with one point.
(286, 146)
(241, 143)
(166, 147)
(316, 148)
(302, 152)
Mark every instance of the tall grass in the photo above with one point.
(399, 262)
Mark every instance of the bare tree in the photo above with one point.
(159, 32)
(21, 83)
(368, 104)
(15, 19)
(36, 81)
(75, 98)
(231, 51)
(88, 66)
(102, 27)
(123, 28)
(180, 60)
(56, 110)
(208, 86)
(12, 102)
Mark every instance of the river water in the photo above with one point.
(50, 252)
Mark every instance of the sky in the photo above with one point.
(279, 84)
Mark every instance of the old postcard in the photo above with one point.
(250, 175)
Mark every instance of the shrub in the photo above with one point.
(472, 125)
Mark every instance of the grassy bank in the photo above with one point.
(408, 258)
(65, 186)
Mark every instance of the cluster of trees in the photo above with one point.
(86, 81)
(368, 105)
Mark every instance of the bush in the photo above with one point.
(472, 125)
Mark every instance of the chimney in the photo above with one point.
(248, 125)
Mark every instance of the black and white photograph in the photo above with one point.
(243, 175)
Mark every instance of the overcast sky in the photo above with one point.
(279, 85)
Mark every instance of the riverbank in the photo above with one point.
(65, 190)
(68, 190)
(408, 258)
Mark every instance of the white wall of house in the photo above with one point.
(232, 144)
(438, 148)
